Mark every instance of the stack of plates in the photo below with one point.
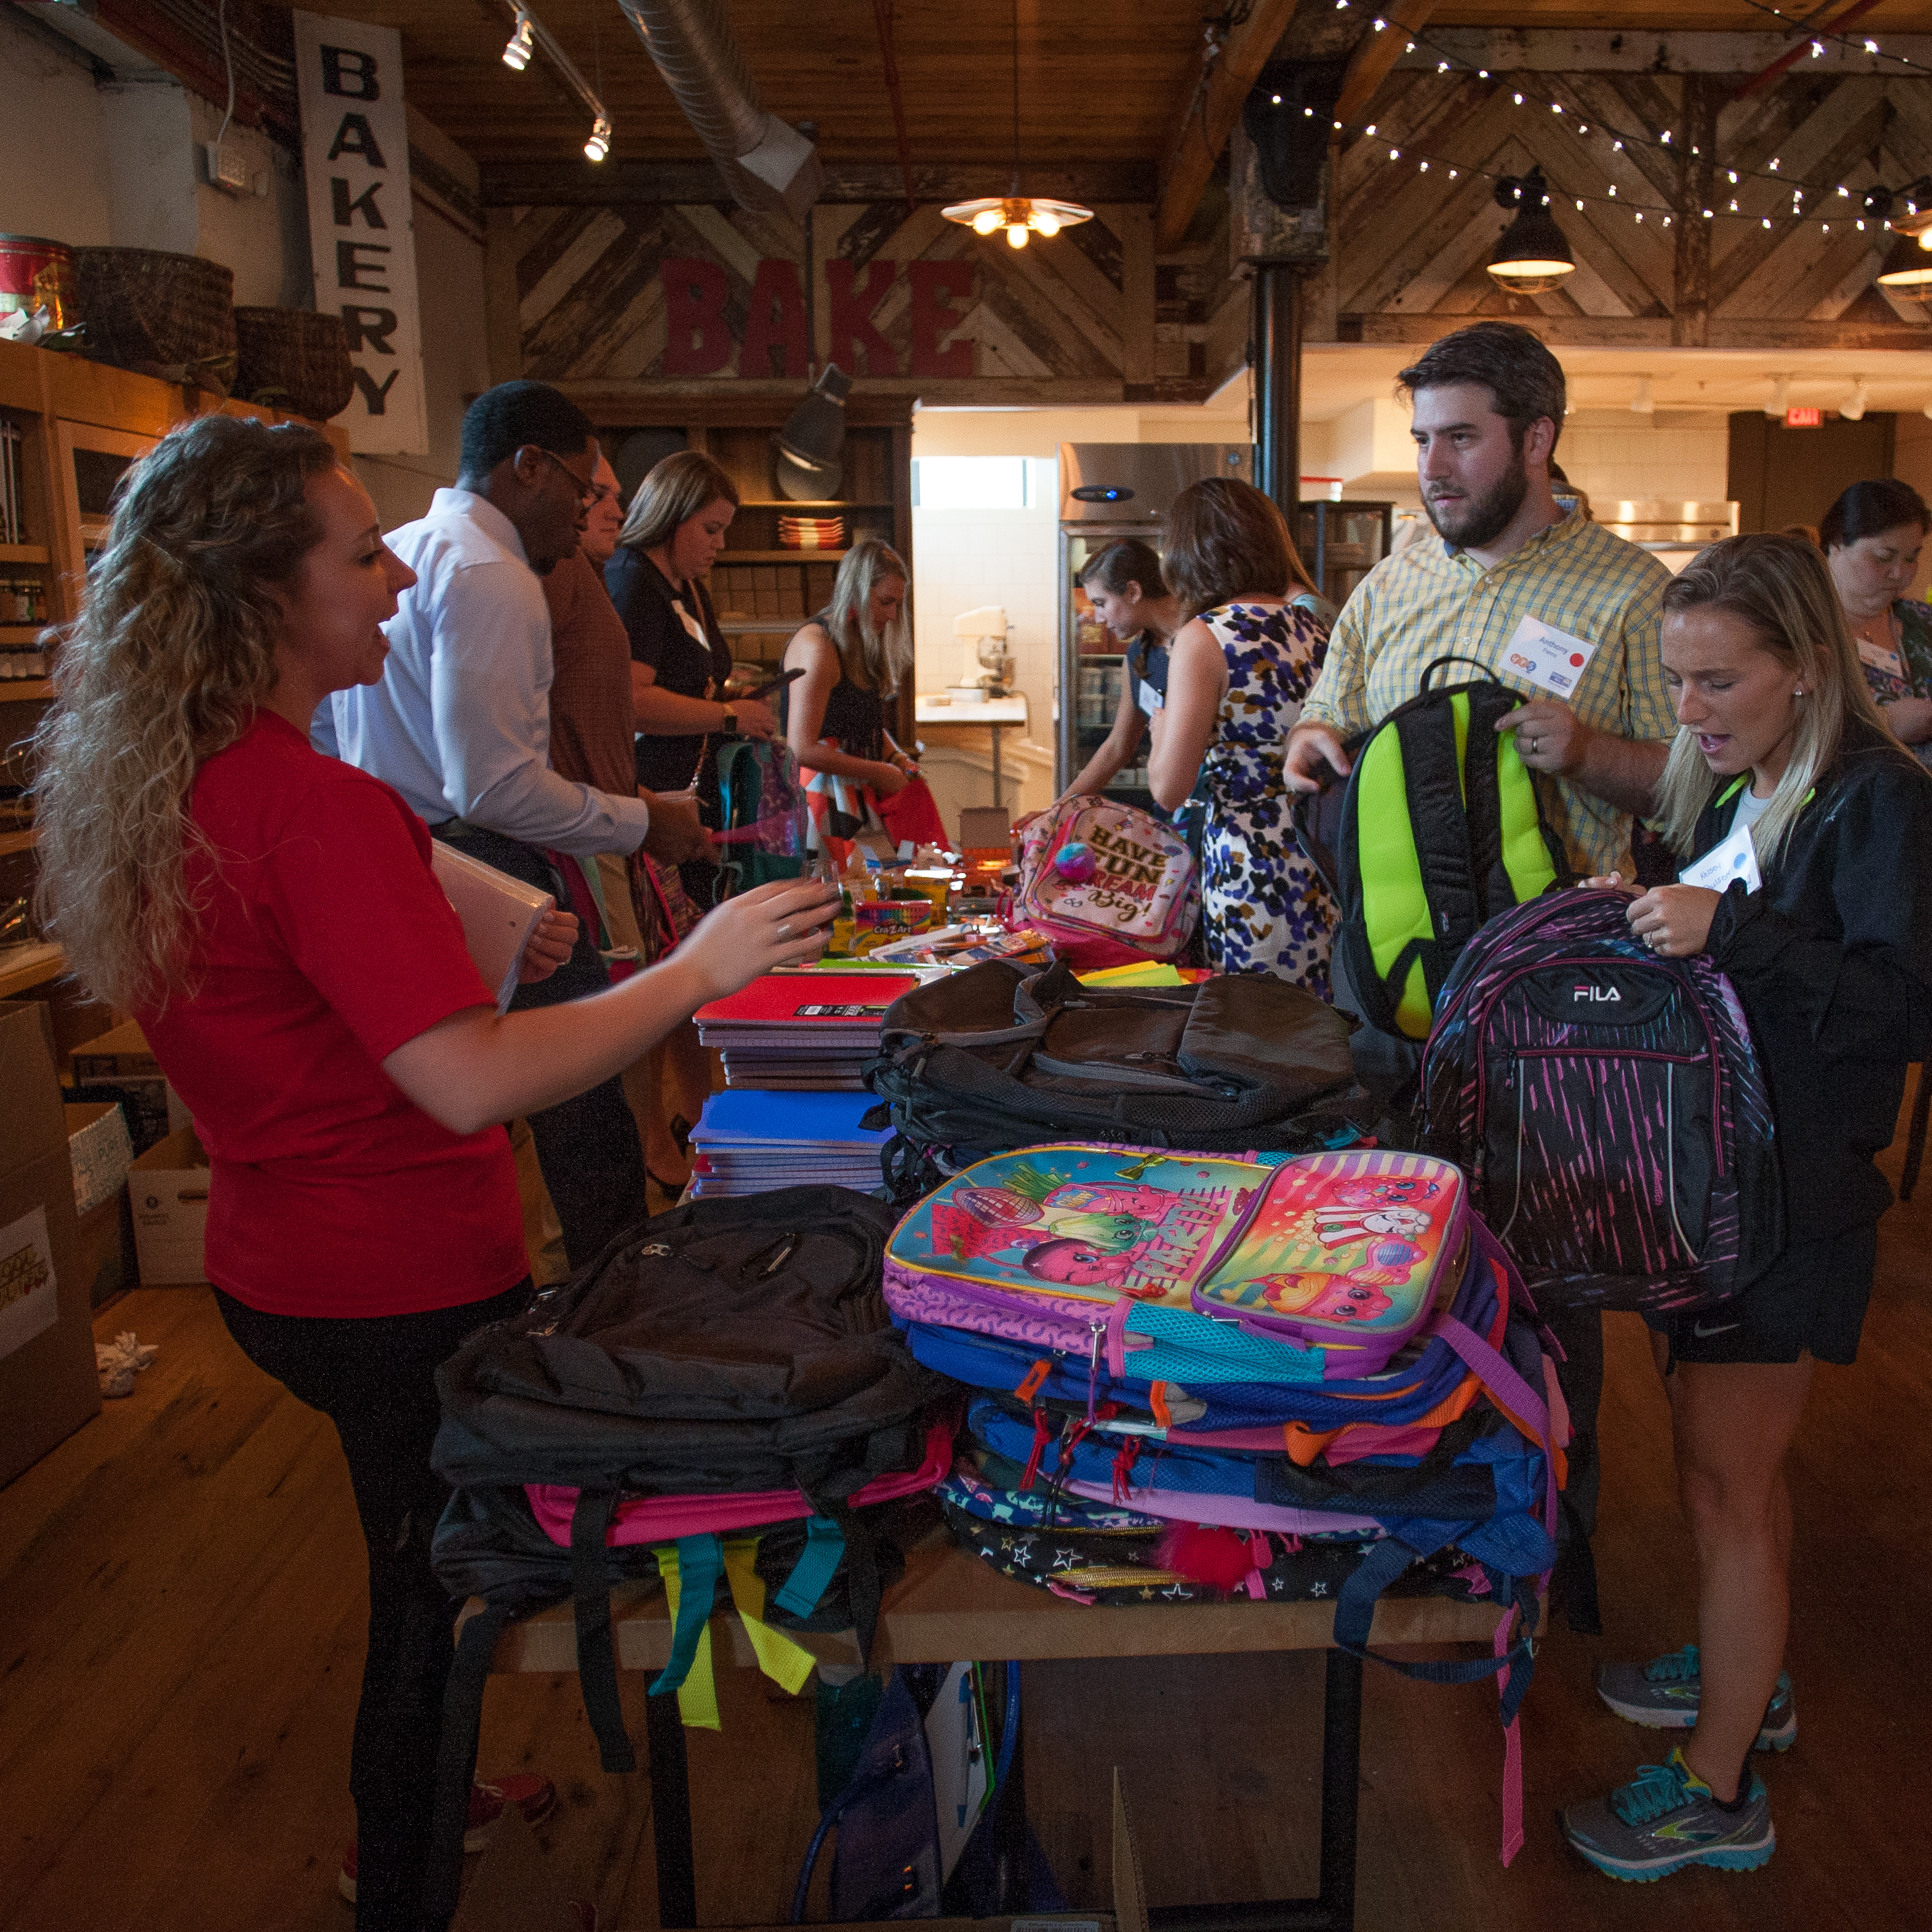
(811, 532)
(802, 1031)
(751, 1143)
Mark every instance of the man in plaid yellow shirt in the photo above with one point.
(1489, 403)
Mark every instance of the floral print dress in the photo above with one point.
(1264, 908)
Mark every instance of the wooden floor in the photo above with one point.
(180, 1634)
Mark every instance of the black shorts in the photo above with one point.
(1811, 1299)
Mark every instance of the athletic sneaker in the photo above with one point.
(1666, 1817)
(530, 1791)
(1664, 1695)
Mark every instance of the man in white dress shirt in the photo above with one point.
(460, 725)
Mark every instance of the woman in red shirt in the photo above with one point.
(270, 916)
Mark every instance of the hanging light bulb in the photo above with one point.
(598, 145)
(986, 221)
(516, 50)
(1532, 254)
(1017, 235)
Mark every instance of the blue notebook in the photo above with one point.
(746, 1117)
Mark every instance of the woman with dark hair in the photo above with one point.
(1237, 672)
(854, 656)
(271, 918)
(1130, 596)
(1779, 741)
(1872, 536)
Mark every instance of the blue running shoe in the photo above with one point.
(1665, 1818)
(1663, 1694)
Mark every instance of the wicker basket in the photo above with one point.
(293, 359)
(166, 315)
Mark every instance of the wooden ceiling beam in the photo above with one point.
(1376, 53)
(1216, 90)
(577, 184)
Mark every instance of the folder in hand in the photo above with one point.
(499, 914)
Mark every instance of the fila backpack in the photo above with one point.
(1440, 828)
(1609, 1108)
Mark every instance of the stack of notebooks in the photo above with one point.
(807, 1031)
(751, 1143)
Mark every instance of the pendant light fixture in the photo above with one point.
(1021, 216)
(1532, 254)
(518, 49)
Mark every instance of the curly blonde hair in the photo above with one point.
(173, 650)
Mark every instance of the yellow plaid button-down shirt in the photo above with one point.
(1427, 600)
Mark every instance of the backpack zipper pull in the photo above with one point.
(1100, 1329)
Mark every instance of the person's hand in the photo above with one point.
(783, 924)
(676, 834)
(1314, 754)
(888, 780)
(548, 946)
(1674, 920)
(754, 718)
(1910, 719)
(1549, 737)
(1613, 882)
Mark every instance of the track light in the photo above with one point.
(1532, 254)
(517, 49)
(598, 145)
(1853, 408)
(1780, 398)
(1642, 402)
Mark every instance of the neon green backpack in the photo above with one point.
(1441, 828)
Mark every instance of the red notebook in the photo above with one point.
(822, 1000)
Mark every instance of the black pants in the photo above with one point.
(374, 1379)
(586, 1146)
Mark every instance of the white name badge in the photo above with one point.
(1548, 657)
(1150, 700)
(1880, 657)
(1736, 858)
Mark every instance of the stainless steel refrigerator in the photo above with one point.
(1108, 490)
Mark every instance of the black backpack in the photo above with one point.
(1440, 827)
(1004, 1056)
(726, 1347)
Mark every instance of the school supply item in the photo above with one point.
(499, 914)
(1092, 870)
(1003, 1056)
(1338, 1258)
(1609, 1107)
(1439, 828)
(816, 1030)
(750, 1143)
(762, 837)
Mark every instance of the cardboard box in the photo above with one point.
(168, 1186)
(48, 1384)
(118, 1066)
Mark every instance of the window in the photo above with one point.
(970, 483)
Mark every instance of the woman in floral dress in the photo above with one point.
(1237, 672)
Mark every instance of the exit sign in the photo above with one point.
(1804, 418)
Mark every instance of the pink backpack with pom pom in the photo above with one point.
(1093, 869)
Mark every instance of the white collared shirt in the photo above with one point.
(459, 724)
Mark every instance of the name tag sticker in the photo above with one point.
(1880, 657)
(1150, 699)
(1549, 658)
(1736, 858)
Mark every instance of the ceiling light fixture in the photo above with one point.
(1907, 274)
(598, 145)
(1642, 402)
(1532, 254)
(1780, 398)
(518, 49)
(1854, 407)
(1021, 216)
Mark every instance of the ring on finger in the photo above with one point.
(785, 930)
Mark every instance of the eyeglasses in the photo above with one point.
(586, 493)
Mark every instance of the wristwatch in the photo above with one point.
(730, 721)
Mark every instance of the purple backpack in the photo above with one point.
(1609, 1108)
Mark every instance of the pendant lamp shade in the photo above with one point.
(1532, 254)
(811, 446)
(1907, 274)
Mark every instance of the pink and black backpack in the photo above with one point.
(1609, 1108)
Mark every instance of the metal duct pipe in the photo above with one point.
(765, 163)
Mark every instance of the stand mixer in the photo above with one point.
(985, 665)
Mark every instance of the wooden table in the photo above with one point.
(949, 1606)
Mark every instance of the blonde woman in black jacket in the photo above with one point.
(1779, 740)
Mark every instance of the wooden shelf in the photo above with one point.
(14, 632)
(18, 841)
(819, 503)
(23, 553)
(729, 556)
(33, 964)
(24, 690)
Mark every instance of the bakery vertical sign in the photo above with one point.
(355, 154)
